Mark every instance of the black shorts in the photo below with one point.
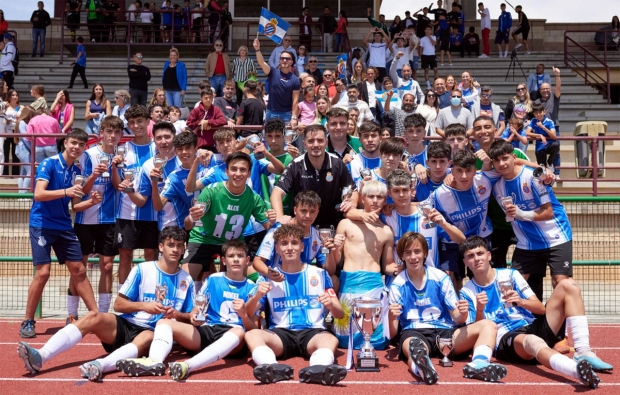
(131, 235)
(444, 43)
(197, 24)
(125, 333)
(296, 342)
(254, 241)
(429, 61)
(96, 238)
(429, 337)
(209, 334)
(201, 254)
(523, 31)
(559, 259)
(502, 37)
(540, 327)
(167, 27)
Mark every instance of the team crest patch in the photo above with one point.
(183, 285)
(41, 241)
(329, 177)
(314, 281)
(270, 27)
(526, 188)
(481, 190)
(315, 246)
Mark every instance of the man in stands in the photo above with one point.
(551, 103)
(535, 81)
(139, 77)
(456, 113)
(326, 27)
(365, 113)
(523, 28)
(486, 107)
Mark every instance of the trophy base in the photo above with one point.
(129, 190)
(446, 364)
(367, 364)
(431, 225)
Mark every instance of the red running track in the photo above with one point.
(234, 376)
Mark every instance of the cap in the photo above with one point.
(8, 36)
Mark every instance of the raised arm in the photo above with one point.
(259, 57)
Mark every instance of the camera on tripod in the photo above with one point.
(513, 54)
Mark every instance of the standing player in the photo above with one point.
(415, 130)
(438, 155)
(391, 152)
(521, 338)
(424, 304)
(296, 322)
(154, 290)
(50, 226)
(274, 137)
(369, 157)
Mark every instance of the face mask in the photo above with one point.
(455, 101)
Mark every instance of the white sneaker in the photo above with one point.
(450, 64)
(441, 65)
(506, 53)
(483, 56)
(501, 55)
(518, 46)
(528, 53)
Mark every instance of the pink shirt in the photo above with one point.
(44, 124)
(306, 112)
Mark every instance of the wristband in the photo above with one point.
(294, 117)
(525, 215)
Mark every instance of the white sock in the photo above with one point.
(197, 287)
(104, 302)
(120, 286)
(263, 355)
(108, 364)
(62, 340)
(581, 334)
(322, 356)
(161, 344)
(563, 364)
(481, 353)
(414, 369)
(72, 304)
(215, 351)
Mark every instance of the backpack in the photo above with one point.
(15, 61)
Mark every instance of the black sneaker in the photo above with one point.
(486, 371)
(419, 354)
(322, 374)
(587, 374)
(273, 372)
(27, 330)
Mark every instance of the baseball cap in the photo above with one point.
(8, 36)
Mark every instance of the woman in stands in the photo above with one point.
(323, 105)
(4, 25)
(64, 112)
(429, 110)
(352, 128)
(470, 88)
(450, 83)
(174, 79)
(97, 107)
(322, 90)
(396, 27)
(341, 30)
(159, 98)
(243, 68)
(522, 96)
(359, 73)
(122, 98)
(302, 59)
(24, 148)
(10, 116)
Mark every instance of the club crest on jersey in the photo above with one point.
(481, 189)
(329, 177)
(183, 286)
(315, 246)
(526, 188)
(41, 241)
(119, 238)
(314, 281)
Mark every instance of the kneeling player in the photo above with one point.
(296, 322)
(219, 335)
(153, 290)
(520, 336)
(424, 303)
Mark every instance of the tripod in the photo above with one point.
(514, 60)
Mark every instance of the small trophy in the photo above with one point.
(445, 346)
(346, 194)
(414, 179)
(366, 317)
(405, 156)
(289, 137)
(505, 286)
(78, 180)
(426, 207)
(252, 141)
(128, 175)
(105, 160)
(325, 234)
(365, 173)
(160, 293)
(158, 163)
(120, 150)
(539, 172)
(506, 201)
(201, 301)
(203, 206)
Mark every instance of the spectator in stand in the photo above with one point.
(159, 98)
(4, 24)
(470, 88)
(378, 50)
(504, 24)
(485, 107)
(205, 119)
(456, 44)
(456, 17)
(167, 20)
(146, 20)
(535, 81)
(157, 114)
(427, 52)
(302, 60)
(341, 31)
(305, 29)
(79, 66)
(378, 24)
(456, 113)
(40, 21)
(92, 20)
(443, 95)
(444, 38)
(226, 103)
(368, 89)
(242, 70)
(251, 110)
(542, 130)
(328, 82)
(523, 29)
(354, 102)
(274, 58)
(472, 42)
(11, 114)
(217, 67)
(97, 107)
(358, 75)
(110, 8)
(409, 21)
(72, 8)
(187, 21)
(64, 111)
(139, 77)
(327, 27)
(6, 60)
(122, 98)
(214, 20)
(437, 11)
(322, 90)
(485, 27)
(522, 97)
(38, 92)
(43, 123)
(133, 12)
(306, 108)
(405, 84)
(197, 21)
(551, 104)
(227, 22)
(174, 79)
(407, 108)
(314, 71)
(395, 28)
(423, 21)
(24, 148)
(429, 110)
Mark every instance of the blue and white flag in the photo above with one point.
(272, 26)
(341, 60)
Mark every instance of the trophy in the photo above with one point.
(78, 180)
(445, 346)
(405, 156)
(505, 286)
(289, 137)
(367, 317)
(365, 173)
(203, 206)
(426, 207)
(414, 179)
(325, 234)
(105, 160)
(120, 150)
(252, 141)
(158, 163)
(506, 201)
(128, 175)
(201, 301)
(160, 293)
(539, 172)
(346, 194)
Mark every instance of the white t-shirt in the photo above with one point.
(485, 21)
(377, 54)
(372, 99)
(428, 48)
(404, 60)
(147, 17)
(131, 15)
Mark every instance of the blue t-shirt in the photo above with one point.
(221, 291)
(515, 141)
(166, 16)
(281, 87)
(535, 125)
(82, 59)
(456, 38)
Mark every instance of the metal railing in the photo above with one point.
(293, 32)
(581, 59)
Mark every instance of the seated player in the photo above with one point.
(425, 306)
(297, 308)
(219, 335)
(368, 252)
(438, 161)
(521, 338)
(153, 290)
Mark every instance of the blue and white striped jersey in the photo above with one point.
(220, 292)
(361, 162)
(415, 222)
(467, 210)
(293, 303)
(179, 201)
(375, 176)
(529, 195)
(104, 212)
(135, 157)
(507, 319)
(428, 307)
(312, 248)
(418, 159)
(423, 191)
(143, 284)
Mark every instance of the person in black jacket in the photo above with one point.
(371, 85)
(40, 20)
(327, 27)
(110, 8)
(139, 77)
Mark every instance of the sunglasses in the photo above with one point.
(520, 89)
(139, 57)
(286, 59)
(312, 61)
(431, 95)
(456, 97)
(327, 76)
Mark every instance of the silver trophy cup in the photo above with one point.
(105, 160)
(365, 173)
(506, 201)
(445, 346)
(539, 172)
(78, 180)
(158, 163)
(128, 175)
(346, 194)
(366, 317)
(505, 286)
(426, 207)
(160, 293)
(201, 301)
(203, 206)
(120, 150)
(252, 141)
(325, 234)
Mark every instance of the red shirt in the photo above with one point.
(219, 66)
